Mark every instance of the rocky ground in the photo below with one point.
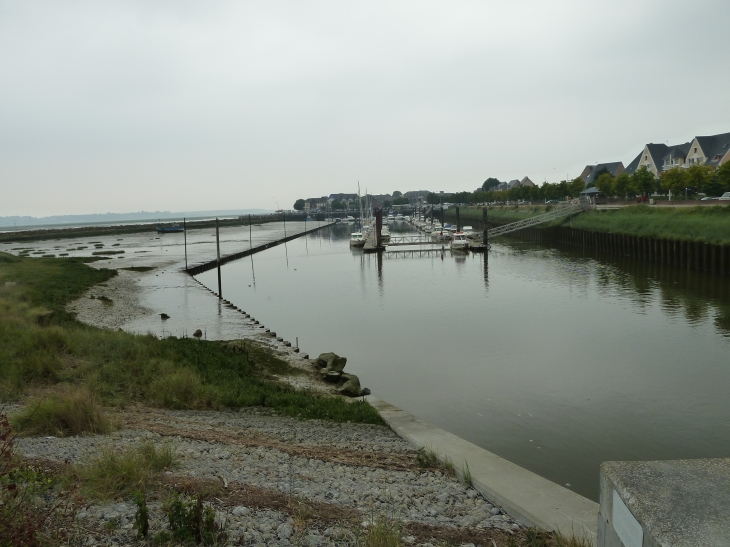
(281, 481)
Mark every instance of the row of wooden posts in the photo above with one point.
(690, 255)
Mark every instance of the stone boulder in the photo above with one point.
(351, 386)
(331, 375)
(331, 362)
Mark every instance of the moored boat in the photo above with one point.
(459, 242)
(175, 228)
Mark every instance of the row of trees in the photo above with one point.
(548, 191)
(693, 180)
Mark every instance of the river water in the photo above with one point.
(552, 359)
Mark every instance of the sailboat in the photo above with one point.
(357, 239)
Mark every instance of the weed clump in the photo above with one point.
(120, 473)
(68, 413)
(192, 520)
(384, 532)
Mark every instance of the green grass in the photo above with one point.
(42, 346)
(709, 224)
(706, 224)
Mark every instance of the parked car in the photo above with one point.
(708, 198)
(552, 202)
(725, 197)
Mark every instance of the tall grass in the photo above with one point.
(706, 224)
(119, 473)
(42, 349)
(71, 412)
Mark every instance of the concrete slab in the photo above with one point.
(528, 498)
(682, 503)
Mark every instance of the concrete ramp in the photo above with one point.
(528, 498)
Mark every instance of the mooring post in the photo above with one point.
(458, 220)
(284, 215)
(484, 226)
(218, 250)
(250, 244)
(185, 239)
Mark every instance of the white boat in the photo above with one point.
(348, 219)
(459, 242)
(399, 217)
(357, 239)
(390, 218)
(468, 231)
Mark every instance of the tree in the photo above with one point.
(336, 205)
(604, 183)
(433, 199)
(723, 176)
(643, 181)
(490, 184)
(699, 176)
(622, 186)
(675, 180)
(601, 171)
(397, 194)
(387, 204)
(299, 205)
(400, 201)
(576, 186)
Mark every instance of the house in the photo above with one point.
(527, 182)
(710, 151)
(342, 198)
(589, 173)
(514, 183)
(415, 197)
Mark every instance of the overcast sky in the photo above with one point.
(139, 105)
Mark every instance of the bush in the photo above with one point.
(115, 473)
(71, 413)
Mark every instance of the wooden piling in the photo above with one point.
(218, 259)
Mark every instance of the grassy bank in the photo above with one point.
(44, 350)
(705, 224)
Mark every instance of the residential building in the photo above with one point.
(415, 197)
(710, 151)
(527, 182)
(342, 198)
(589, 173)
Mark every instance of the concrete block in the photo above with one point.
(677, 503)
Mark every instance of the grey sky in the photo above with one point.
(125, 106)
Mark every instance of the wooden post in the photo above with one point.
(458, 220)
(218, 250)
(250, 237)
(185, 238)
(485, 237)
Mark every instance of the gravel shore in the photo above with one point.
(347, 475)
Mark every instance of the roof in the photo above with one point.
(634, 165)
(713, 146)
(614, 168)
(590, 191)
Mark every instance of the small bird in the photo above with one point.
(164, 316)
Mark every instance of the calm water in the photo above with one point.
(552, 359)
